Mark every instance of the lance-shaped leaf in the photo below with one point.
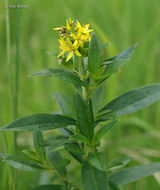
(94, 54)
(75, 150)
(49, 187)
(66, 132)
(134, 173)
(56, 142)
(62, 163)
(55, 158)
(32, 155)
(113, 186)
(79, 137)
(97, 99)
(92, 178)
(134, 100)
(65, 103)
(113, 64)
(62, 74)
(39, 122)
(97, 159)
(118, 163)
(102, 131)
(24, 165)
(84, 117)
(39, 143)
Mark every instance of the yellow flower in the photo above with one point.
(78, 38)
(72, 37)
(83, 34)
(73, 49)
(69, 24)
(68, 46)
(85, 29)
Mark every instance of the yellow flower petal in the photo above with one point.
(70, 55)
(62, 41)
(59, 55)
(78, 26)
(81, 44)
(67, 25)
(57, 29)
(70, 21)
(69, 42)
(76, 45)
(77, 53)
(73, 36)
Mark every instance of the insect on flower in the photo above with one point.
(73, 38)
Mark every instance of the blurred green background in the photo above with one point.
(120, 22)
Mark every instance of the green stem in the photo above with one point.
(84, 89)
(17, 63)
(66, 185)
(8, 60)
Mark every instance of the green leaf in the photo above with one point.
(97, 99)
(113, 186)
(94, 54)
(108, 115)
(55, 158)
(113, 64)
(77, 61)
(79, 137)
(84, 117)
(24, 165)
(105, 45)
(32, 155)
(93, 179)
(56, 142)
(118, 163)
(134, 100)
(39, 143)
(66, 132)
(102, 131)
(62, 74)
(134, 173)
(62, 163)
(39, 122)
(49, 187)
(97, 159)
(75, 150)
(65, 103)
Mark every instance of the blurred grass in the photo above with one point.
(122, 23)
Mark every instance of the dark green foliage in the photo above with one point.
(39, 122)
(118, 163)
(55, 158)
(134, 173)
(102, 131)
(39, 143)
(24, 165)
(49, 187)
(94, 55)
(65, 103)
(134, 100)
(80, 136)
(93, 178)
(63, 74)
(84, 117)
(113, 64)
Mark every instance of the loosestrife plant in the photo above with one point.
(82, 122)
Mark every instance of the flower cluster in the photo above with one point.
(73, 38)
